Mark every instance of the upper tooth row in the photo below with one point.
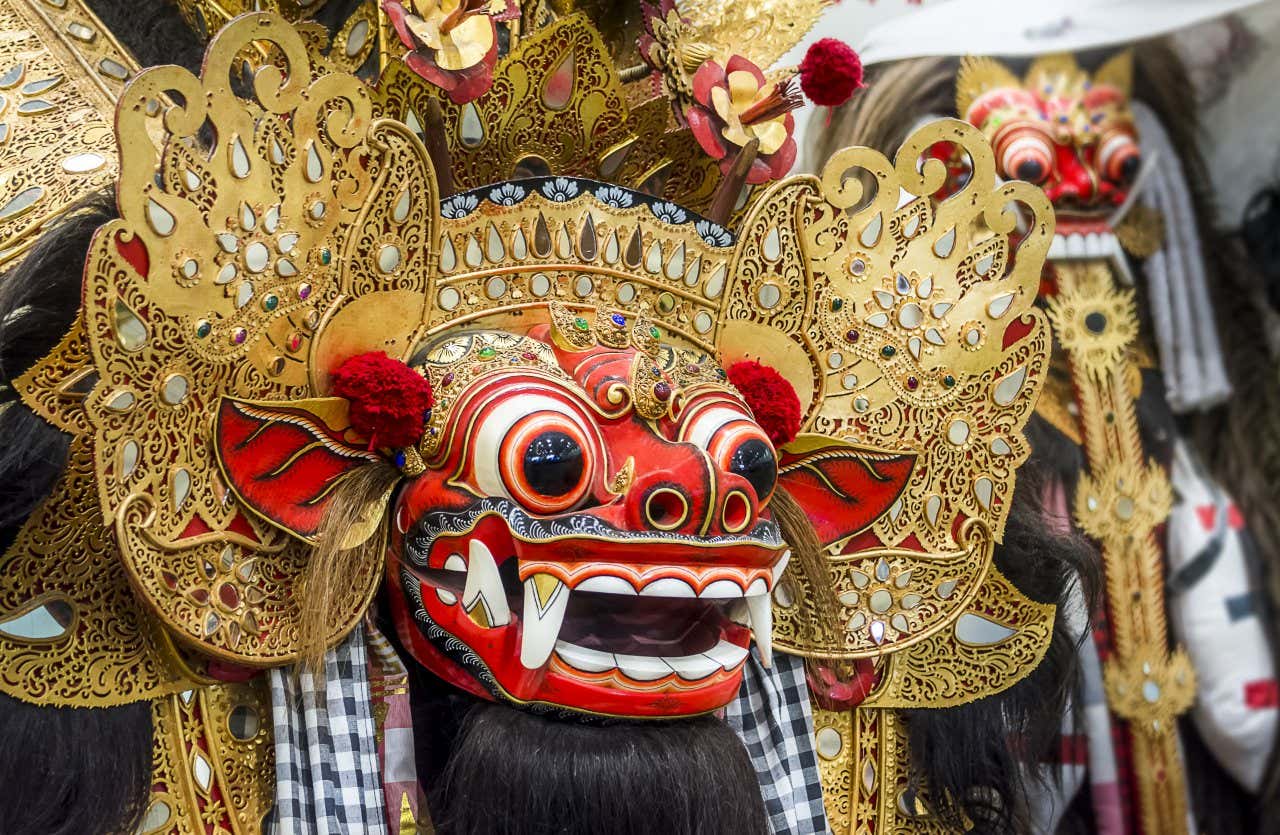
(723, 656)
(673, 587)
(1091, 245)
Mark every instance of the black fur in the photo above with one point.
(515, 773)
(976, 759)
(65, 771)
(1260, 232)
(153, 32)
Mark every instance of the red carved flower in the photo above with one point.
(735, 104)
(452, 43)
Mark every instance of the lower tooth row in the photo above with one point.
(723, 656)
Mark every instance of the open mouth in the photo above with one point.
(635, 615)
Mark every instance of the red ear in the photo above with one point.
(284, 459)
(842, 487)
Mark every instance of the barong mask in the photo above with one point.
(1060, 128)
(582, 512)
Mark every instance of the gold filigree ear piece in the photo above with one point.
(931, 347)
(221, 279)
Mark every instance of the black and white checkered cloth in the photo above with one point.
(327, 780)
(774, 720)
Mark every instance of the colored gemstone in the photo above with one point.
(948, 381)
(888, 351)
(836, 304)
(912, 384)
(529, 355)
(581, 324)
(325, 256)
(294, 343)
(487, 353)
(400, 459)
(203, 329)
(270, 302)
(662, 391)
(693, 369)
(304, 291)
(618, 319)
(851, 336)
(858, 267)
(239, 335)
(447, 379)
(229, 595)
(654, 332)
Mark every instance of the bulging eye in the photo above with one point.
(536, 451)
(1119, 157)
(1026, 153)
(738, 445)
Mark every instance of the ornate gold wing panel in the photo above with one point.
(55, 117)
(912, 311)
(251, 228)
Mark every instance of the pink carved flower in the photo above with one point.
(452, 43)
(735, 104)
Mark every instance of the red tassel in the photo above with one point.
(830, 73)
(772, 399)
(389, 400)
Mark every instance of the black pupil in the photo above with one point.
(553, 464)
(1030, 170)
(754, 461)
(1129, 168)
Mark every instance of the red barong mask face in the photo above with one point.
(563, 548)
(1059, 128)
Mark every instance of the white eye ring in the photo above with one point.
(706, 423)
(493, 428)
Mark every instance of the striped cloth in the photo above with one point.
(389, 684)
(774, 720)
(327, 779)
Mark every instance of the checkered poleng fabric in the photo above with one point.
(326, 752)
(773, 718)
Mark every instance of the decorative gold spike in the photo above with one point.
(1117, 72)
(977, 76)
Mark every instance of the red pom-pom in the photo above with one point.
(772, 399)
(830, 72)
(389, 400)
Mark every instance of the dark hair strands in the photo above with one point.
(65, 771)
